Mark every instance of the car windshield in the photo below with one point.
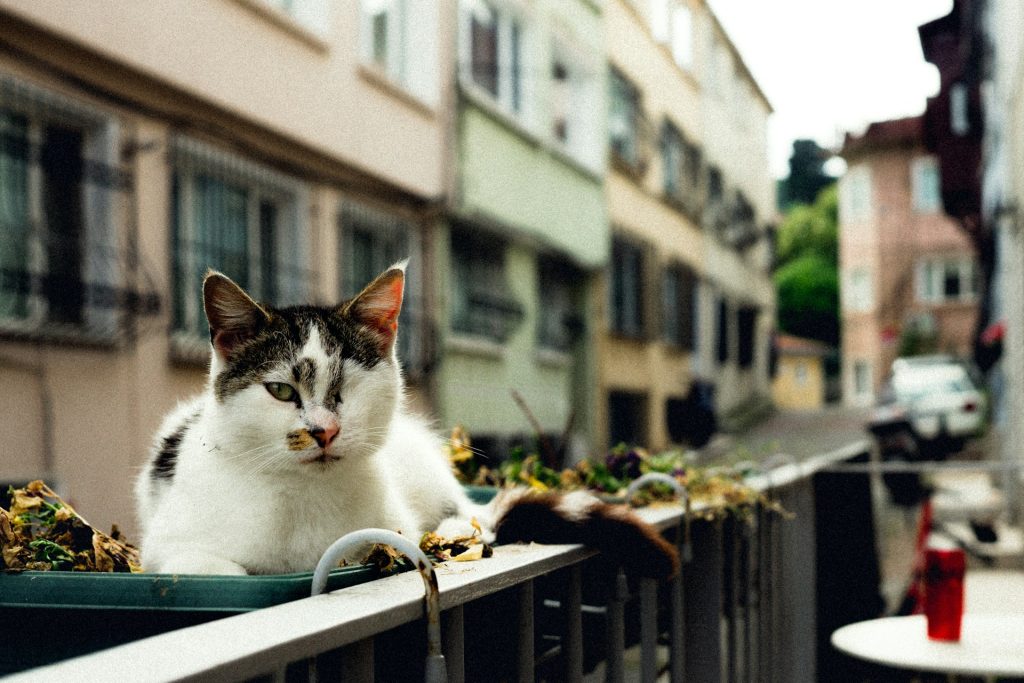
(914, 385)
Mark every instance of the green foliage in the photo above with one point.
(807, 276)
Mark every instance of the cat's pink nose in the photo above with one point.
(324, 435)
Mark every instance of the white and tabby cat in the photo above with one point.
(301, 436)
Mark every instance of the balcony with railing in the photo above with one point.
(758, 595)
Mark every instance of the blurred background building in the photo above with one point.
(908, 272)
(582, 189)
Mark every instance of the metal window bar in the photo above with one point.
(69, 266)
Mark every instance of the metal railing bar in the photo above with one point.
(648, 630)
(616, 630)
(525, 630)
(677, 624)
(453, 642)
(573, 643)
(356, 664)
(925, 466)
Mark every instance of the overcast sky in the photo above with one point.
(831, 66)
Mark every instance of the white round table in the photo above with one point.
(990, 645)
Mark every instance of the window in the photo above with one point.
(722, 331)
(559, 323)
(746, 325)
(946, 280)
(481, 302)
(627, 291)
(858, 295)
(312, 14)
(574, 103)
(856, 194)
(682, 36)
(862, 378)
(627, 418)
(399, 37)
(60, 263)
(679, 306)
(924, 184)
(372, 241)
(237, 217)
(624, 115)
(681, 161)
(492, 44)
(959, 121)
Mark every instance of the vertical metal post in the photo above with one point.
(357, 662)
(677, 634)
(703, 585)
(572, 646)
(729, 594)
(616, 630)
(524, 630)
(648, 630)
(453, 643)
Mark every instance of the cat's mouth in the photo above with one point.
(323, 457)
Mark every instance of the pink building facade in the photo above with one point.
(908, 274)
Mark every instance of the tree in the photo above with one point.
(807, 277)
(807, 177)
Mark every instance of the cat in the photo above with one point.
(302, 436)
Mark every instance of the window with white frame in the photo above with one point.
(858, 294)
(946, 280)
(924, 185)
(575, 103)
(855, 194)
(491, 45)
(862, 378)
(311, 14)
(682, 36)
(240, 218)
(60, 200)
(399, 38)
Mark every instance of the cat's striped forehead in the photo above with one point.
(312, 343)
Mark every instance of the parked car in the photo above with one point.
(941, 401)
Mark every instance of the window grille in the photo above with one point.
(240, 218)
(559, 323)
(68, 266)
(481, 301)
(371, 241)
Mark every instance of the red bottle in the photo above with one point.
(944, 592)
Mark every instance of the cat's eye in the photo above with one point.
(282, 391)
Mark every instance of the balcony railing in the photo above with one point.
(746, 606)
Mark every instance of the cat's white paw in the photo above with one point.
(197, 563)
(456, 527)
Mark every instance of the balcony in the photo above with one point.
(757, 600)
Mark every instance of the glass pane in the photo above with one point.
(270, 268)
(14, 223)
(483, 36)
(951, 281)
(220, 220)
(61, 162)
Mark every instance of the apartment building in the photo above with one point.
(299, 146)
(688, 296)
(908, 273)
(527, 231)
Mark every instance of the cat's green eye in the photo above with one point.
(281, 391)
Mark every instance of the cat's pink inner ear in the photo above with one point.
(377, 307)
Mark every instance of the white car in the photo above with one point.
(940, 398)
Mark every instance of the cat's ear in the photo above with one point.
(234, 317)
(377, 307)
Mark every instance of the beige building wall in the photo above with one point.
(799, 383)
(730, 130)
(304, 106)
